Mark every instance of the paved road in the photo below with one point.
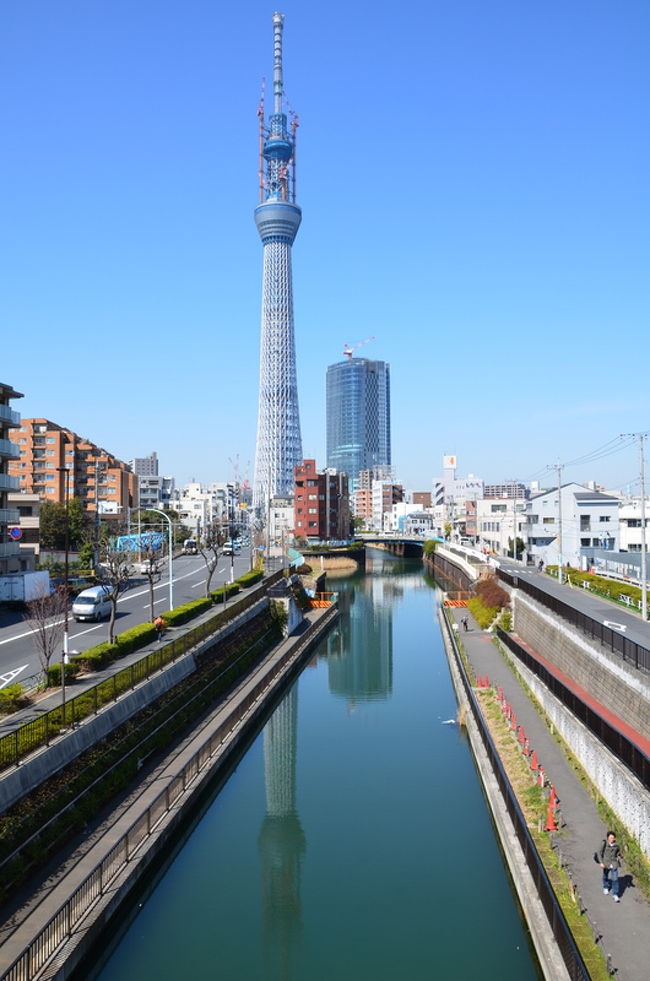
(610, 614)
(18, 656)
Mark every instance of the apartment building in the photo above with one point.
(51, 457)
(321, 503)
(572, 523)
(10, 558)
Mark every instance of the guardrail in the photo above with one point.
(625, 750)
(557, 921)
(18, 744)
(617, 642)
(62, 924)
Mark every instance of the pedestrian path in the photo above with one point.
(624, 927)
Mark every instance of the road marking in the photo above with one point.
(9, 676)
(614, 626)
(162, 585)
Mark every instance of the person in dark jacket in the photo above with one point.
(609, 854)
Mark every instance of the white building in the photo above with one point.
(450, 489)
(155, 492)
(574, 526)
(499, 521)
(630, 521)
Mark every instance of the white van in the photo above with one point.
(92, 604)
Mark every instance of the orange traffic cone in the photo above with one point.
(533, 761)
(550, 818)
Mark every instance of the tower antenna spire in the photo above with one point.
(277, 216)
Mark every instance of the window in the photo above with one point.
(585, 542)
(548, 521)
(49, 453)
(604, 517)
(313, 510)
(313, 497)
(49, 476)
(50, 439)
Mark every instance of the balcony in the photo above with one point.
(9, 516)
(9, 416)
(8, 483)
(9, 450)
(9, 548)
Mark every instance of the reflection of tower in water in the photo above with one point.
(363, 668)
(281, 840)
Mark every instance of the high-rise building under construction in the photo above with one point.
(277, 216)
(358, 417)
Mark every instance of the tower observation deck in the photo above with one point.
(277, 216)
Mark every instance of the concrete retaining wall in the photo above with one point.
(606, 677)
(629, 800)
(46, 762)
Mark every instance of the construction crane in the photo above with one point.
(349, 348)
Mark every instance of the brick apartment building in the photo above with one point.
(321, 503)
(50, 454)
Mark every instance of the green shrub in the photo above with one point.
(230, 589)
(136, 637)
(54, 673)
(12, 698)
(96, 657)
(506, 621)
(186, 612)
(484, 615)
(249, 578)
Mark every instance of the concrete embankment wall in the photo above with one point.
(14, 784)
(606, 677)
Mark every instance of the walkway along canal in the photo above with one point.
(352, 840)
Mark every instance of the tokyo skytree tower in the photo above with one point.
(279, 447)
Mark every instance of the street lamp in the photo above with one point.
(171, 549)
(66, 636)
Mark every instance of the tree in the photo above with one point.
(209, 544)
(116, 565)
(52, 526)
(151, 565)
(46, 618)
(520, 545)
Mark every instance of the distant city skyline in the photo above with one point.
(497, 253)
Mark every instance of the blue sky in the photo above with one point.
(475, 195)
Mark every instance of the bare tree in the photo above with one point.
(151, 568)
(209, 544)
(116, 565)
(45, 616)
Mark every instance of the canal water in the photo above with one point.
(353, 841)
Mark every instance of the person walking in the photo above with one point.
(465, 622)
(609, 854)
(159, 624)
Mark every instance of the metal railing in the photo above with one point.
(20, 742)
(624, 750)
(560, 928)
(62, 924)
(616, 641)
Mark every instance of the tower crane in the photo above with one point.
(349, 348)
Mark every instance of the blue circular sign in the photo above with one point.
(16, 533)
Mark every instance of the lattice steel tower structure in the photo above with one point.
(277, 216)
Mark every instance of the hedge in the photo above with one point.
(249, 578)
(54, 673)
(96, 657)
(184, 613)
(230, 589)
(134, 638)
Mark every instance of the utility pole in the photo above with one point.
(560, 572)
(644, 549)
(66, 634)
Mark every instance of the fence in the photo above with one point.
(616, 641)
(625, 750)
(61, 926)
(561, 932)
(16, 745)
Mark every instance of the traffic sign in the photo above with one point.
(16, 534)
